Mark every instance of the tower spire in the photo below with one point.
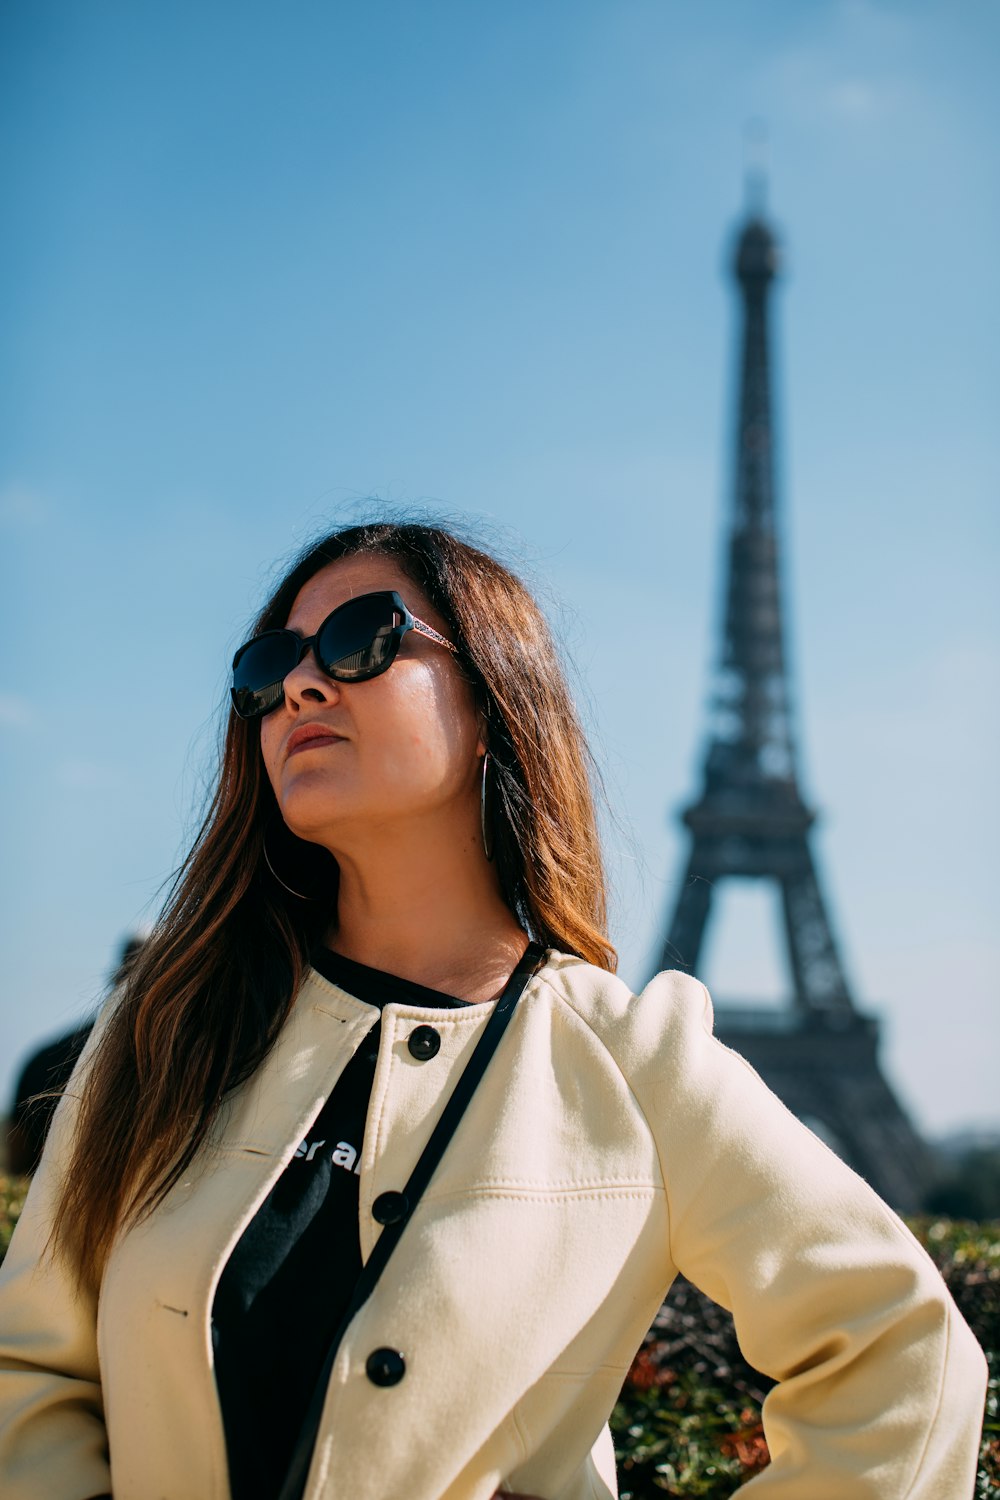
(750, 821)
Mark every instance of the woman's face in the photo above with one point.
(405, 745)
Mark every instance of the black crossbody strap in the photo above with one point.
(298, 1470)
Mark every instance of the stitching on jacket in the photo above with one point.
(571, 1009)
(526, 1195)
(313, 976)
(398, 1021)
(442, 1019)
(656, 1145)
(519, 1432)
(447, 1012)
(618, 1371)
(572, 1184)
(376, 1112)
(325, 1010)
(937, 1405)
(237, 1148)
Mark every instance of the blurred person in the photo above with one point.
(43, 1077)
(241, 1270)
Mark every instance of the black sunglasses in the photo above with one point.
(359, 640)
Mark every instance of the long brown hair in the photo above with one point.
(207, 996)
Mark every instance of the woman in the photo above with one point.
(403, 832)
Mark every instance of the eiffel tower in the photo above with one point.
(818, 1053)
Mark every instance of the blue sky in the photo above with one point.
(265, 262)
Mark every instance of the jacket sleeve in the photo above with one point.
(881, 1382)
(53, 1442)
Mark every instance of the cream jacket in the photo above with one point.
(611, 1143)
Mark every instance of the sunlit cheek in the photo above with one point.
(425, 723)
(424, 758)
(409, 760)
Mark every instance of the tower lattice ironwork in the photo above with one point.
(818, 1052)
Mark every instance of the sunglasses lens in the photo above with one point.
(260, 672)
(360, 639)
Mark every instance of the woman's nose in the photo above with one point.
(308, 683)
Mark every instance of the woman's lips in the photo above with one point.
(312, 742)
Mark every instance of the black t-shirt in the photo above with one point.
(286, 1286)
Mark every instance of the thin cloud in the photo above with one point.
(807, 83)
(84, 775)
(859, 101)
(819, 78)
(15, 712)
(22, 507)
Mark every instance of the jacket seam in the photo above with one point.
(520, 1433)
(541, 1196)
(570, 1185)
(638, 1103)
(533, 985)
(708, 1012)
(314, 976)
(937, 1405)
(239, 1148)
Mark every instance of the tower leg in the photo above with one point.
(817, 973)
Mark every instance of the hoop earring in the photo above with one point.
(488, 849)
(313, 871)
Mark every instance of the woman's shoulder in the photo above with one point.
(670, 1004)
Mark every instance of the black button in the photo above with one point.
(389, 1208)
(385, 1367)
(424, 1042)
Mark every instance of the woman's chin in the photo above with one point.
(309, 805)
(307, 821)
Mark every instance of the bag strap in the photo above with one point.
(298, 1469)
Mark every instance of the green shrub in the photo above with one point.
(12, 1192)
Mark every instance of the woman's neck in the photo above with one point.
(435, 917)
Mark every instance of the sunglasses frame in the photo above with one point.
(407, 622)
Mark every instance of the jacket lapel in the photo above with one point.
(161, 1277)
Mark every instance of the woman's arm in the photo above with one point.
(881, 1383)
(53, 1442)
